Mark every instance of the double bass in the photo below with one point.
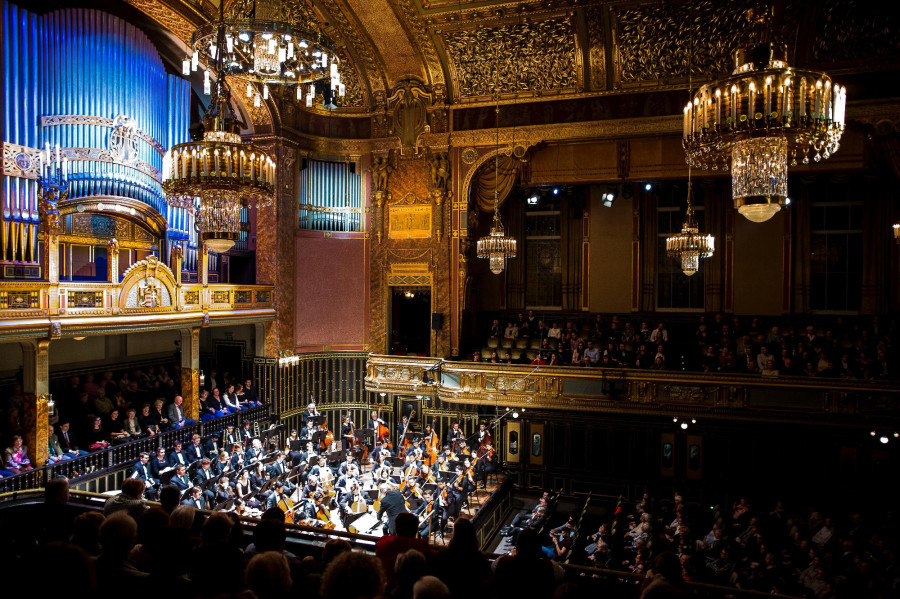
(383, 434)
(431, 446)
(405, 443)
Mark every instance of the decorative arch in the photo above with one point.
(148, 285)
(130, 209)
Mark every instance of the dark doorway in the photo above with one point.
(411, 321)
(230, 359)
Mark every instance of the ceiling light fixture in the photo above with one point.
(765, 114)
(214, 178)
(497, 247)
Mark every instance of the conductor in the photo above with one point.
(393, 504)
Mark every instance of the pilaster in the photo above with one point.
(190, 372)
(35, 386)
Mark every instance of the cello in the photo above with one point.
(383, 433)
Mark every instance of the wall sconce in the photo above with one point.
(683, 423)
(51, 404)
(896, 228)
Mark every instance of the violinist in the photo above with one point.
(449, 456)
(432, 513)
(243, 489)
(382, 472)
(412, 489)
(254, 452)
(346, 433)
(439, 466)
(463, 450)
(349, 461)
(347, 480)
(487, 463)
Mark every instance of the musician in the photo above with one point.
(278, 468)
(243, 489)
(348, 461)
(432, 514)
(310, 412)
(246, 435)
(159, 463)
(463, 449)
(309, 455)
(430, 440)
(231, 437)
(204, 472)
(213, 446)
(196, 499)
(223, 490)
(392, 504)
(486, 464)
(402, 430)
(412, 489)
(237, 457)
(195, 450)
(316, 511)
(307, 431)
(454, 435)
(277, 497)
(321, 470)
(223, 464)
(258, 477)
(484, 435)
(351, 497)
(312, 486)
(440, 465)
(382, 472)
(254, 452)
(178, 456)
(449, 456)
(142, 472)
(351, 477)
(181, 479)
(346, 433)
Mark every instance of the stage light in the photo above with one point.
(533, 199)
(883, 439)
(648, 187)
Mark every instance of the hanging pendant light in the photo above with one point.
(497, 247)
(690, 246)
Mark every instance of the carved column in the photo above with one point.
(35, 387)
(379, 198)
(190, 372)
(177, 261)
(204, 265)
(276, 247)
(112, 260)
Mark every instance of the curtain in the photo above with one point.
(489, 179)
(571, 238)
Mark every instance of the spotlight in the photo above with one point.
(872, 433)
(675, 420)
(648, 187)
(897, 435)
(609, 197)
(787, 201)
(896, 228)
(383, 394)
(693, 421)
(516, 415)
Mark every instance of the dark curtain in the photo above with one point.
(571, 241)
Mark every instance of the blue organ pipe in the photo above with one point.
(85, 62)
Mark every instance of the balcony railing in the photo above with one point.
(635, 391)
(123, 454)
(148, 289)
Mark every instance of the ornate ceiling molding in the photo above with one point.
(358, 47)
(417, 30)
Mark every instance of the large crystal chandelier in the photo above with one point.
(765, 114)
(260, 47)
(496, 247)
(689, 245)
(217, 176)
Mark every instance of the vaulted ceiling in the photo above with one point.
(466, 51)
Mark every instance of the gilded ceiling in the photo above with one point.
(470, 50)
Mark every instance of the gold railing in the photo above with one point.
(147, 295)
(669, 393)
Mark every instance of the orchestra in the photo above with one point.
(349, 481)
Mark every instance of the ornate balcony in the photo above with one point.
(147, 298)
(639, 392)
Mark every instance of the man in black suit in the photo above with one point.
(178, 456)
(246, 435)
(307, 431)
(454, 435)
(180, 479)
(393, 505)
(278, 468)
(196, 499)
(231, 436)
(254, 452)
(195, 450)
(141, 472)
(310, 412)
(276, 497)
(213, 446)
(67, 440)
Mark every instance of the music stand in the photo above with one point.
(336, 458)
(447, 476)
(414, 503)
(318, 420)
(317, 438)
(298, 445)
(396, 462)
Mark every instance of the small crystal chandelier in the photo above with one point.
(496, 247)
(763, 115)
(216, 177)
(689, 245)
(259, 47)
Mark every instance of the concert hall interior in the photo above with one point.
(642, 256)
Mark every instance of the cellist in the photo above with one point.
(484, 435)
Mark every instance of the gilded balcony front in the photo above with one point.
(648, 392)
